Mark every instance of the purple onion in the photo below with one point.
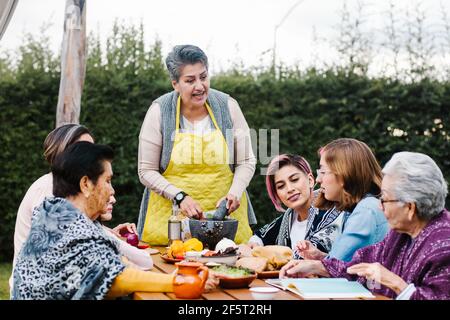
(132, 239)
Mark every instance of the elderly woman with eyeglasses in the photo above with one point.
(413, 261)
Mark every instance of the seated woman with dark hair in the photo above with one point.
(68, 255)
(58, 140)
(413, 261)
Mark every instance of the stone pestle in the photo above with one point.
(221, 211)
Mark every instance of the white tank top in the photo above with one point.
(298, 231)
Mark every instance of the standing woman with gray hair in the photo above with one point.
(194, 150)
(413, 261)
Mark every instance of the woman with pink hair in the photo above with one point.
(290, 184)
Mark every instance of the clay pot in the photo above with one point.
(190, 280)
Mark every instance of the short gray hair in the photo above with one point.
(418, 179)
(182, 55)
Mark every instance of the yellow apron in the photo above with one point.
(199, 166)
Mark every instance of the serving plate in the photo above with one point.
(226, 259)
(167, 259)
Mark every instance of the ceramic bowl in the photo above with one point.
(236, 282)
(264, 293)
(210, 232)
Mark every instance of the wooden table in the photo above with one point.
(218, 293)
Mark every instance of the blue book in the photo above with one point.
(326, 288)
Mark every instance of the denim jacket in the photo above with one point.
(364, 226)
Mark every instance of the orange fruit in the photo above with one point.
(193, 244)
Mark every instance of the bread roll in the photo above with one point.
(258, 264)
(277, 256)
(245, 250)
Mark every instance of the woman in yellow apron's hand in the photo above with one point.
(194, 149)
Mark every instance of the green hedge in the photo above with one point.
(310, 109)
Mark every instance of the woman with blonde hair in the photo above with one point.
(350, 179)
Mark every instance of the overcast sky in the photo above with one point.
(230, 30)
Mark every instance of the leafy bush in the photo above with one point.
(309, 108)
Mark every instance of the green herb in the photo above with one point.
(232, 271)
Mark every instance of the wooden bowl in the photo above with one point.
(167, 259)
(269, 274)
(236, 282)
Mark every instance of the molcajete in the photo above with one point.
(209, 232)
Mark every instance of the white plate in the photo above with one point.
(228, 260)
(212, 264)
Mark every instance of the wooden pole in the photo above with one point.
(6, 11)
(73, 63)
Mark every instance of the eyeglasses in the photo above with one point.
(384, 201)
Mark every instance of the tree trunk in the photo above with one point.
(6, 11)
(73, 63)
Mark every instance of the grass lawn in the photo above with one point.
(5, 272)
